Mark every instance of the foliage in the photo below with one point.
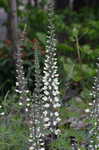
(77, 49)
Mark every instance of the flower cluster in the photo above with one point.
(21, 82)
(36, 130)
(43, 107)
(50, 79)
(94, 115)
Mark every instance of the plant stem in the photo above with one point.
(78, 50)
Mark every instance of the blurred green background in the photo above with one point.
(77, 32)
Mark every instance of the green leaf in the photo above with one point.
(41, 37)
(86, 49)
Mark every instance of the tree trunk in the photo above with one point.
(71, 3)
(13, 29)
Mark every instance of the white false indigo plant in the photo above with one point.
(50, 80)
(36, 130)
(94, 115)
(21, 82)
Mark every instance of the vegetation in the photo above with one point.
(77, 52)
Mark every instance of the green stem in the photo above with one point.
(78, 50)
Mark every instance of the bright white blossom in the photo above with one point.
(57, 132)
(26, 109)
(2, 113)
(46, 119)
(56, 105)
(54, 123)
(47, 105)
(45, 113)
(87, 110)
(56, 114)
(20, 103)
(31, 148)
(58, 119)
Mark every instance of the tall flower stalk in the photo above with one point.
(94, 115)
(50, 79)
(36, 114)
(21, 82)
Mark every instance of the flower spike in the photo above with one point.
(50, 79)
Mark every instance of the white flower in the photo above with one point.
(21, 7)
(31, 148)
(27, 99)
(46, 61)
(56, 75)
(95, 123)
(46, 75)
(46, 65)
(46, 105)
(51, 114)
(57, 92)
(27, 91)
(23, 77)
(49, 79)
(58, 119)
(31, 136)
(26, 109)
(47, 124)
(34, 144)
(46, 119)
(45, 72)
(57, 131)
(54, 123)
(18, 91)
(54, 72)
(17, 83)
(42, 148)
(45, 81)
(87, 110)
(30, 140)
(51, 129)
(38, 129)
(56, 82)
(28, 104)
(20, 103)
(56, 114)
(0, 106)
(56, 105)
(45, 113)
(56, 87)
(90, 104)
(45, 98)
(54, 52)
(51, 100)
(96, 146)
(45, 88)
(56, 99)
(2, 113)
(46, 92)
(50, 87)
(36, 120)
(54, 93)
(31, 122)
(41, 144)
(55, 63)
